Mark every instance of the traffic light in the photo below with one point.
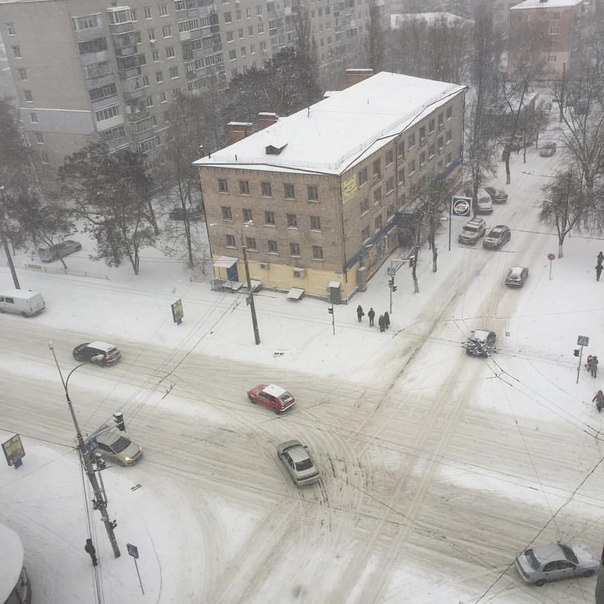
(118, 418)
(391, 282)
(330, 310)
(394, 288)
(576, 352)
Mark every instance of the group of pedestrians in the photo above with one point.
(600, 259)
(383, 320)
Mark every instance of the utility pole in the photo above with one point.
(251, 294)
(100, 501)
(9, 257)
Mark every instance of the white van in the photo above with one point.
(22, 302)
(484, 205)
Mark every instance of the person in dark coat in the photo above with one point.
(371, 315)
(599, 400)
(360, 312)
(600, 258)
(598, 271)
(386, 320)
(593, 366)
(381, 322)
(91, 551)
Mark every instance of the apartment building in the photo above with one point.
(87, 68)
(542, 35)
(318, 197)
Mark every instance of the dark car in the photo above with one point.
(516, 276)
(180, 213)
(496, 237)
(54, 252)
(101, 353)
(547, 149)
(497, 195)
(272, 396)
(481, 343)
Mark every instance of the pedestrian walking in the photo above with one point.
(386, 320)
(600, 258)
(360, 312)
(599, 400)
(91, 551)
(371, 315)
(592, 364)
(598, 271)
(381, 322)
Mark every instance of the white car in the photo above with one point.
(484, 203)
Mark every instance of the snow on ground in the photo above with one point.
(564, 301)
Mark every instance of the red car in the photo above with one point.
(274, 397)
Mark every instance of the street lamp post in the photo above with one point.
(248, 279)
(100, 501)
(9, 257)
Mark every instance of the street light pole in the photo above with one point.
(9, 257)
(99, 502)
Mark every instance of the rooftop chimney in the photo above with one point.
(354, 76)
(266, 119)
(239, 130)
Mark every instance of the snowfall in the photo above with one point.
(437, 468)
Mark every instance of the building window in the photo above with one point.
(162, 97)
(33, 117)
(272, 247)
(230, 240)
(378, 223)
(223, 186)
(173, 72)
(422, 159)
(411, 140)
(431, 126)
(362, 176)
(364, 206)
(389, 185)
(365, 234)
(159, 76)
(441, 143)
(147, 12)
(149, 101)
(317, 252)
(155, 55)
(400, 149)
(401, 176)
(23, 74)
(163, 10)
(269, 218)
(44, 158)
(10, 28)
(288, 190)
(390, 211)
(151, 33)
(266, 189)
(554, 31)
(17, 51)
(556, 15)
(313, 192)
(431, 151)
(292, 221)
(244, 187)
(422, 134)
(39, 138)
(377, 168)
(551, 58)
(170, 53)
(232, 55)
(449, 112)
(228, 17)
(247, 215)
(226, 213)
(106, 114)
(389, 157)
(250, 243)
(229, 36)
(294, 249)
(315, 223)
(412, 167)
(441, 120)
(449, 136)
(166, 31)
(241, 36)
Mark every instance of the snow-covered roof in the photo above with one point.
(546, 4)
(396, 20)
(338, 131)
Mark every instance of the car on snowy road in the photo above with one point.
(114, 446)
(481, 343)
(555, 561)
(300, 465)
(54, 252)
(516, 276)
(496, 237)
(497, 195)
(101, 353)
(547, 149)
(272, 396)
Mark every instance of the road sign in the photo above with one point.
(551, 256)
(461, 206)
(582, 341)
(391, 271)
(132, 550)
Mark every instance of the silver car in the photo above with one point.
(299, 463)
(54, 252)
(114, 446)
(538, 565)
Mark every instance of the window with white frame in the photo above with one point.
(163, 10)
(227, 214)
(292, 221)
(294, 249)
(269, 218)
(313, 192)
(315, 223)
(272, 247)
(317, 252)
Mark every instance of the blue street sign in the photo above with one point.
(582, 341)
(461, 206)
(132, 550)
(391, 271)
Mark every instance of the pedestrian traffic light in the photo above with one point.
(391, 282)
(118, 418)
(330, 310)
(576, 352)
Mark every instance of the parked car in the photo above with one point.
(114, 446)
(496, 237)
(547, 149)
(272, 396)
(516, 276)
(484, 205)
(54, 252)
(480, 343)
(22, 302)
(555, 561)
(101, 353)
(497, 195)
(178, 213)
(472, 231)
(296, 458)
